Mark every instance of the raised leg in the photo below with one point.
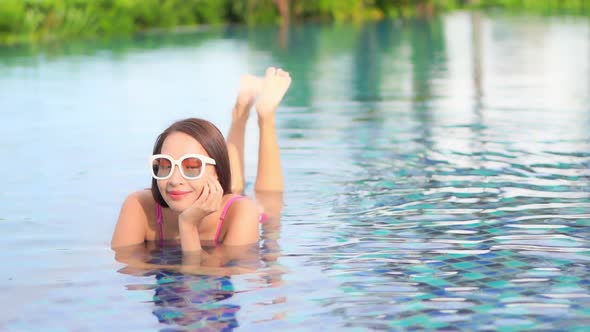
(250, 87)
(269, 176)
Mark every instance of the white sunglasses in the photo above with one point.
(191, 166)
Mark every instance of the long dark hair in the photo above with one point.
(209, 136)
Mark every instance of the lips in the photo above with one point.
(177, 194)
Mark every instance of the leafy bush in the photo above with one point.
(24, 20)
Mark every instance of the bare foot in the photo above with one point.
(250, 87)
(275, 85)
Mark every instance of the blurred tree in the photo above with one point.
(26, 20)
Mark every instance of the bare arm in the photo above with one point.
(190, 240)
(190, 219)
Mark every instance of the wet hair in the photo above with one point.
(212, 140)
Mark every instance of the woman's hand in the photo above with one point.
(207, 203)
(190, 219)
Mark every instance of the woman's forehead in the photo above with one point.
(178, 144)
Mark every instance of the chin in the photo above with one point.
(176, 207)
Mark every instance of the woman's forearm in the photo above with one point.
(190, 240)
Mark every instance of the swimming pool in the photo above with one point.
(436, 171)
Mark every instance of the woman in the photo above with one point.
(197, 177)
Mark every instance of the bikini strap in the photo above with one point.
(224, 213)
(160, 222)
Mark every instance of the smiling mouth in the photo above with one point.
(177, 195)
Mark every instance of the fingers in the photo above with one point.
(218, 186)
(211, 195)
(214, 193)
(204, 194)
(217, 191)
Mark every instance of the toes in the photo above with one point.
(282, 73)
(285, 76)
(270, 71)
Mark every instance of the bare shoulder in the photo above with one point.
(143, 197)
(136, 201)
(142, 202)
(133, 219)
(243, 219)
(243, 208)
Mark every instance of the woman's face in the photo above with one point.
(177, 191)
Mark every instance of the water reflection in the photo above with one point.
(191, 300)
(197, 291)
(451, 219)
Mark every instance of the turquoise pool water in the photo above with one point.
(437, 177)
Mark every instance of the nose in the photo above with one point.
(176, 177)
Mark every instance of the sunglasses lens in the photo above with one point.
(161, 167)
(192, 167)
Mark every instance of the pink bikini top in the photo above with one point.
(229, 203)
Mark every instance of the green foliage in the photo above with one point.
(12, 14)
(339, 11)
(580, 7)
(254, 11)
(26, 20)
